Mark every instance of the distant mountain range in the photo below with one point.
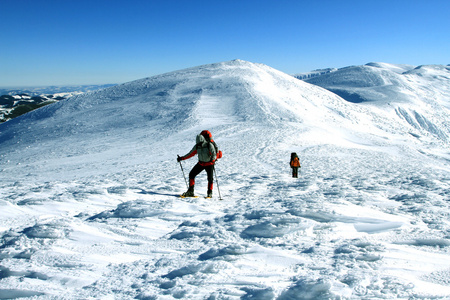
(37, 91)
(18, 101)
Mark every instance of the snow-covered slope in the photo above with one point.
(131, 119)
(419, 95)
(89, 206)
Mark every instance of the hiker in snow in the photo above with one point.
(207, 152)
(295, 164)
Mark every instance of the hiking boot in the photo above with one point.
(209, 194)
(189, 192)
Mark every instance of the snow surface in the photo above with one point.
(89, 185)
(419, 94)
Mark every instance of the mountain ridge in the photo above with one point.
(212, 96)
(418, 95)
(221, 95)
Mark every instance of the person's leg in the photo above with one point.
(194, 172)
(210, 173)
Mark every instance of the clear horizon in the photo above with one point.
(51, 42)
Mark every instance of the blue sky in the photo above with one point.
(61, 42)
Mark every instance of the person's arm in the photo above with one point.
(192, 153)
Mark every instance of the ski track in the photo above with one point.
(149, 242)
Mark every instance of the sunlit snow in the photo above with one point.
(89, 189)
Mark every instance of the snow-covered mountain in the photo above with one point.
(89, 191)
(17, 105)
(419, 95)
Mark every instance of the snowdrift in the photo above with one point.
(89, 187)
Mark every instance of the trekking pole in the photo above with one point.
(181, 165)
(217, 181)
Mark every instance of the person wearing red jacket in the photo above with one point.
(207, 156)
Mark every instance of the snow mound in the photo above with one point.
(135, 209)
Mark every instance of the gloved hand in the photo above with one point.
(179, 158)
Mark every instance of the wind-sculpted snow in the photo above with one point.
(89, 205)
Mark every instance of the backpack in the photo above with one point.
(295, 161)
(208, 137)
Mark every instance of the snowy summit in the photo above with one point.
(90, 187)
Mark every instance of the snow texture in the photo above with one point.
(89, 188)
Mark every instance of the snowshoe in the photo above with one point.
(188, 193)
